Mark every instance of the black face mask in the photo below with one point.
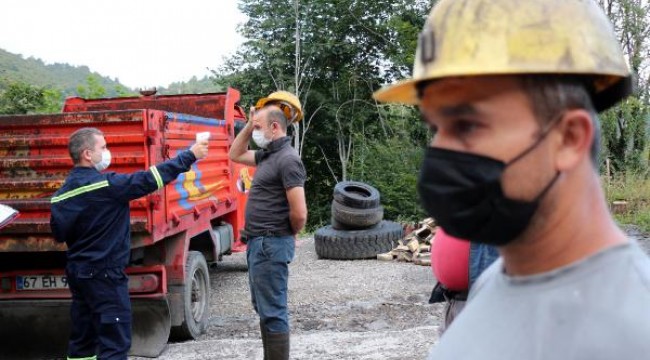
(463, 193)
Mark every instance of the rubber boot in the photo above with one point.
(277, 346)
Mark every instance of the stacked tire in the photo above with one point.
(358, 230)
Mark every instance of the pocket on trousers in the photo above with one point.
(116, 275)
(279, 249)
(85, 273)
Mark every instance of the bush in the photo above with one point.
(634, 188)
(393, 167)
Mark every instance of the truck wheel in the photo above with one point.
(356, 195)
(196, 296)
(357, 244)
(356, 218)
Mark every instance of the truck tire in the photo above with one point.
(357, 244)
(356, 195)
(356, 218)
(336, 225)
(196, 296)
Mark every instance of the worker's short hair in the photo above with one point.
(550, 95)
(274, 114)
(80, 140)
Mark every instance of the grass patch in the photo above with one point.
(635, 190)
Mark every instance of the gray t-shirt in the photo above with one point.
(279, 168)
(597, 308)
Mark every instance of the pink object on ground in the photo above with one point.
(450, 261)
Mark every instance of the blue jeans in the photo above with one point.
(481, 256)
(268, 275)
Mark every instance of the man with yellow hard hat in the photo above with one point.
(276, 211)
(511, 89)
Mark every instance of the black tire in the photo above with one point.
(356, 195)
(340, 226)
(356, 218)
(357, 244)
(196, 298)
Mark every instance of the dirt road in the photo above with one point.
(339, 310)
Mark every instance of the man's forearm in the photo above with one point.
(298, 222)
(240, 145)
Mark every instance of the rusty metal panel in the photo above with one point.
(206, 190)
(34, 162)
(211, 105)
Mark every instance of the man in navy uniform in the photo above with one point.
(90, 213)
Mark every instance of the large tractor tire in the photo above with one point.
(357, 244)
(196, 298)
(352, 218)
(356, 195)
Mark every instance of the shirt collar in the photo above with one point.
(278, 144)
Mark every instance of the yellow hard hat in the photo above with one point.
(288, 102)
(512, 37)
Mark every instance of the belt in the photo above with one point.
(246, 236)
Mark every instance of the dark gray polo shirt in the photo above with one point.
(279, 168)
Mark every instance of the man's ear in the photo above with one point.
(576, 130)
(87, 155)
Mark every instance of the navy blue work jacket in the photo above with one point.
(90, 212)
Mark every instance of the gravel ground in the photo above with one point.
(339, 310)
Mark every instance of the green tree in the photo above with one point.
(334, 55)
(93, 88)
(53, 101)
(625, 131)
(21, 98)
(123, 91)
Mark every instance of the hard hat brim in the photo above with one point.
(261, 102)
(404, 92)
(264, 101)
(618, 87)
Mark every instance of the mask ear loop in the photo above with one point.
(532, 147)
(548, 187)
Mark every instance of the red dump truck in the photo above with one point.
(176, 231)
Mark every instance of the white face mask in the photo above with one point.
(104, 162)
(261, 140)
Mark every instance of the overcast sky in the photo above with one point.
(143, 43)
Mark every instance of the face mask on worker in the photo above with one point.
(260, 140)
(463, 193)
(104, 162)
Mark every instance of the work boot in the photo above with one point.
(276, 346)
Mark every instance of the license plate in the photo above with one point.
(41, 282)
